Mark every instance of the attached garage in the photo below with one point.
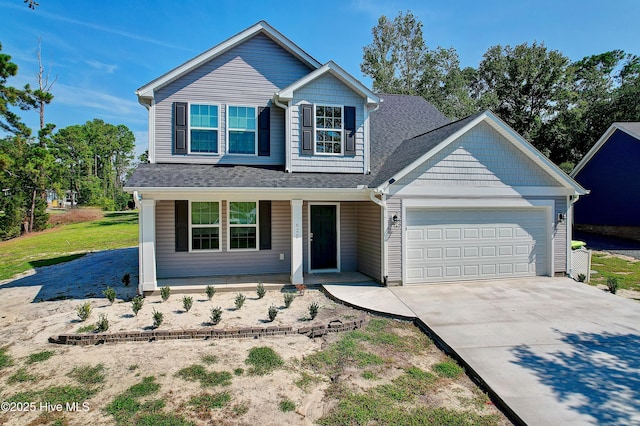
(458, 244)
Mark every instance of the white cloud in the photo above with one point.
(81, 97)
(100, 66)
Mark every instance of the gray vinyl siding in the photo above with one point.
(327, 90)
(170, 263)
(348, 236)
(247, 75)
(560, 237)
(368, 238)
(483, 158)
(393, 236)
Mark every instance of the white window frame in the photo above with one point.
(228, 129)
(316, 129)
(189, 127)
(218, 225)
(230, 225)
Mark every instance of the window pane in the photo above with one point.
(242, 238)
(242, 118)
(204, 141)
(204, 116)
(241, 213)
(205, 239)
(242, 142)
(205, 213)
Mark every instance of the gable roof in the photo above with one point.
(261, 27)
(631, 128)
(334, 69)
(412, 153)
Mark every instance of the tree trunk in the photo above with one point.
(33, 209)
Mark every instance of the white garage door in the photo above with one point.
(465, 244)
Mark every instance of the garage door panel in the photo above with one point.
(460, 244)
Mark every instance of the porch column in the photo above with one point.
(296, 242)
(147, 246)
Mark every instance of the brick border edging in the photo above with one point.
(85, 339)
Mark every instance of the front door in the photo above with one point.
(324, 236)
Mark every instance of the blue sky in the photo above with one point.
(102, 51)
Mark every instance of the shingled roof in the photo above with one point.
(393, 127)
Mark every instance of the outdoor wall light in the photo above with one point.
(395, 219)
(561, 217)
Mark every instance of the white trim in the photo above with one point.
(341, 130)
(330, 67)
(261, 27)
(338, 260)
(595, 148)
(255, 131)
(147, 246)
(243, 194)
(547, 205)
(218, 225)
(256, 226)
(297, 256)
(456, 191)
(189, 128)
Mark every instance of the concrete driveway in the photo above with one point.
(556, 352)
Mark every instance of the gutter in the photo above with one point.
(287, 131)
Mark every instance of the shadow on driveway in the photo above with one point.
(597, 376)
(84, 277)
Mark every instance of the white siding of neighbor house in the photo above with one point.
(248, 74)
(369, 245)
(483, 158)
(327, 90)
(184, 264)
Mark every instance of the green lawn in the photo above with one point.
(627, 271)
(67, 242)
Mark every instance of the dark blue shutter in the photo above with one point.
(265, 225)
(350, 130)
(264, 131)
(180, 127)
(306, 121)
(182, 225)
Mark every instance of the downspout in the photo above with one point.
(287, 132)
(136, 200)
(383, 204)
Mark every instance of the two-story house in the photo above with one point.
(262, 160)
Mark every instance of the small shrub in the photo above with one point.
(582, 278)
(216, 315)
(612, 284)
(210, 290)
(260, 290)
(84, 311)
(110, 294)
(263, 360)
(187, 303)
(273, 312)
(165, 292)
(287, 405)
(288, 298)
(301, 288)
(126, 279)
(136, 304)
(313, 310)
(157, 318)
(40, 356)
(240, 298)
(103, 324)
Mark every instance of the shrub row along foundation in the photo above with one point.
(205, 333)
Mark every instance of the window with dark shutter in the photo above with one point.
(182, 225)
(180, 127)
(265, 225)
(306, 121)
(264, 131)
(350, 130)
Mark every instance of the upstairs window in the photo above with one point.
(243, 225)
(205, 225)
(203, 122)
(241, 126)
(328, 129)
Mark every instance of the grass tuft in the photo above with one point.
(205, 401)
(40, 357)
(88, 375)
(263, 360)
(287, 405)
(197, 373)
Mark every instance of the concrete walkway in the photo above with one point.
(552, 351)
